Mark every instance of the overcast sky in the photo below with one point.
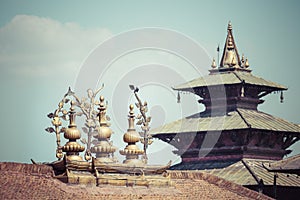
(45, 45)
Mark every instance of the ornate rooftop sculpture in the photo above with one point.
(72, 148)
(103, 168)
(103, 147)
(131, 137)
(143, 121)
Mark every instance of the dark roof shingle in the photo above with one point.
(228, 78)
(239, 174)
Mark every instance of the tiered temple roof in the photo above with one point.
(231, 122)
(235, 120)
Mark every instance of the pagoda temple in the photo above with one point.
(231, 127)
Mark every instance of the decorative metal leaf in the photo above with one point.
(148, 119)
(90, 123)
(50, 115)
(70, 92)
(95, 112)
(64, 117)
(64, 112)
(83, 99)
(95, 142)
(145, 128)
(77, 103)
(141, 134)
(146, 109)
(86, 105)
(61, 104)
(79, 113)
(150, 142)
(94, 133)
(137, 105)
(139, 116)
(83, 141)
(90, 93)
(139, 122)
(85, 129)
(50, 130)
(131, 87)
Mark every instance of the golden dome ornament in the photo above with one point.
(213, 64)
(72, 148)
(103, 148)
(131, 137)
(247, 63)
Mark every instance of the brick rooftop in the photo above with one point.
(28, 181)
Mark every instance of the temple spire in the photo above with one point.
(230, 57)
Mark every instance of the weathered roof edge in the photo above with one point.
(188, 86)
(248, 125)
(220, 182)
(281, 165)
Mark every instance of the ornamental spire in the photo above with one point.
(230, 56)
(131, 137)
(103, 146)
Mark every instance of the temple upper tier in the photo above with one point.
(231, 123)
(230, 85)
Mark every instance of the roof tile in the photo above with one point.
(228, 78)
(231, 121)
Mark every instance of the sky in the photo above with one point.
(45, 47)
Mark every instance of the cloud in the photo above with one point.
(38, 46)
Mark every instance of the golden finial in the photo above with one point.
(102, 111)
(213, 64)
(131, 117)
(101, 98)
(104, 148)
(72, 148)
(243, 58)
(229, 26)
(131, 137)
(246, 63)
(131, 108)
(72, 114)
(131, 112)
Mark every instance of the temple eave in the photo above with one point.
(234, 152)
